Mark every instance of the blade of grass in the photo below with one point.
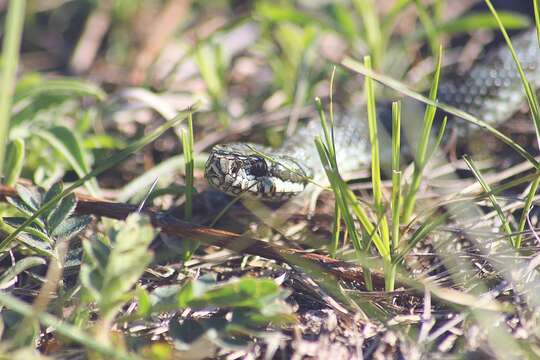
(375, 161)
(9, 62)
(533, 106)
(478, 175)
(526, 208)
(113, 160)
(429, 26)
(372, 29)
(396, 187)
(536, 6)
(339, 187)
(422, 150)
(334, 244)
(531, 96)
(402, 88)
(187, 143)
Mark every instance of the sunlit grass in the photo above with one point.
(8, 69)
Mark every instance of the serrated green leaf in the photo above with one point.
(90, 281)
(120, 267)
(35, 244)
(66, 142)
(20, 205)
(33, 229)
(97, 253)
(71, 227)
(55, 189)
(30, 197)
(62, 212)
(20, 266)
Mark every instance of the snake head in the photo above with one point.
(248, 168)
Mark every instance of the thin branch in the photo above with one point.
(316, 265)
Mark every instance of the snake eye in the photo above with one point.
(258, 168)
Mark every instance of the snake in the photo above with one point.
(491, 90)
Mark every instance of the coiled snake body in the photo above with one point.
(491, 90)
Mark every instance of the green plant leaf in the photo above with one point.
(20, 266)
(65, 141)
(245, 292)
(109, 274)
(30, 197)
(37, 232)
(54, 190)
(68, 87)
(71, 227)
(14, 161)
(61, 212)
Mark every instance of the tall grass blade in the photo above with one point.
(375, 160)
(536, 5)
(8, 68)
(187, 143)
(478, 175)
(422, 150)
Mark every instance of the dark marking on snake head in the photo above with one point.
(258, 167)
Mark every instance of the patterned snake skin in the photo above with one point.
(491, 90)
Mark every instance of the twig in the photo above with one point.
(316, 265)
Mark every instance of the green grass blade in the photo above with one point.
(526, 208)
(536, 5)
(375, 160)
(113, 160)
(8, 67)
(396, 173)
(429, 26)
(533, 105)
(372, 29)
(478, 175)
(531, 96)
(187, 143)
(404, 89)
(422, 150)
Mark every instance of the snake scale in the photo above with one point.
(491, 90)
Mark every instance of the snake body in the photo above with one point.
(492, 91)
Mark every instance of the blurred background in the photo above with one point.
(255, 66)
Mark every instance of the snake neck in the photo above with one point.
(350, 141)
